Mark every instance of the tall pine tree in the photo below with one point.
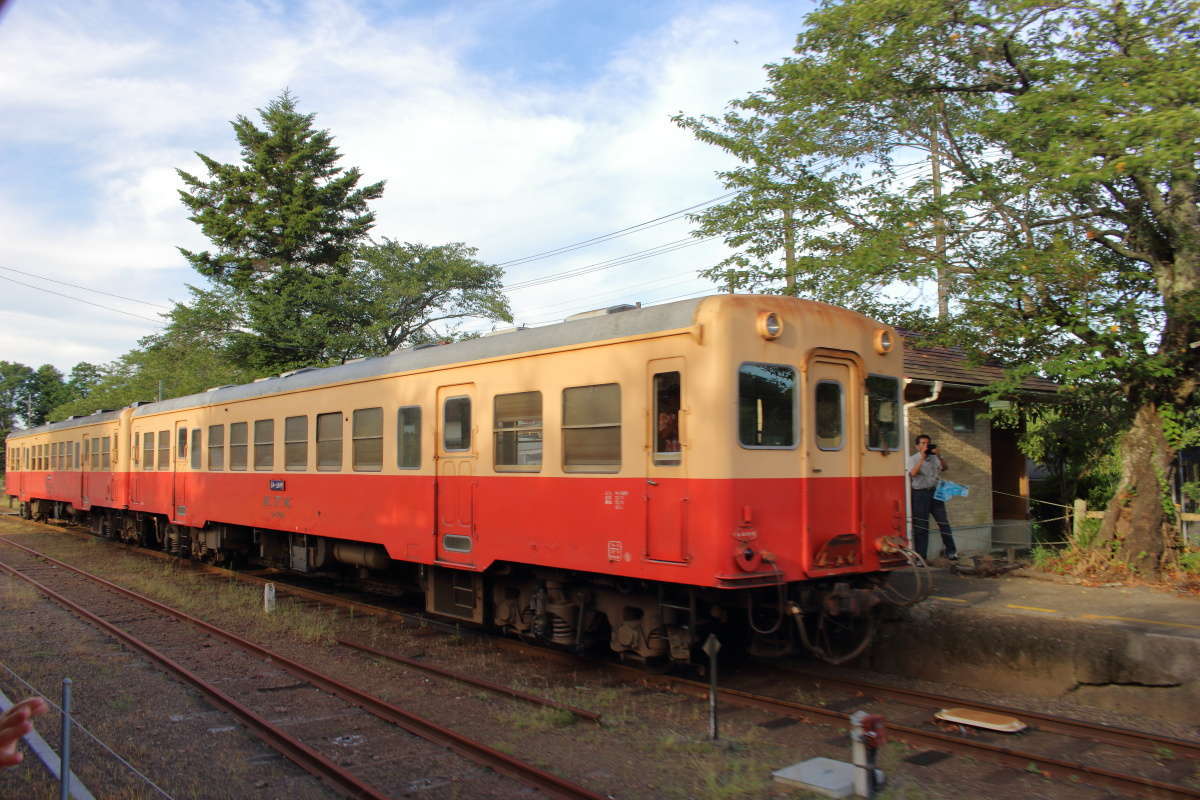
(283, 224)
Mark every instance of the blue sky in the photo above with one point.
(515, 127)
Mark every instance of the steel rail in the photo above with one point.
(419, 726)
(582, 713)
(291, 748)
(1104, 734)
(1145, 787)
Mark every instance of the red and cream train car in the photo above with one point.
(640, 478)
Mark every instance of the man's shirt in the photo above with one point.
(929, 473)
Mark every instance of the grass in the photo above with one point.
(539, 718)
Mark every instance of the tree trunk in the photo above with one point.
(789, 249)
(1137, 524)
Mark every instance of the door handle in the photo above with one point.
(652, 483)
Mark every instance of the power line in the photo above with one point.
(85, 288)
(639, 255)
(615, 234)
(80, 300)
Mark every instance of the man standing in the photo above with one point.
(924, 469)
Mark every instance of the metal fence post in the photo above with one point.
(64, 790)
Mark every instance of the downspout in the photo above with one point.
(933, 395)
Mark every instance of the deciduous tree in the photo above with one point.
(1038, 161)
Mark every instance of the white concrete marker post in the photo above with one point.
(269, 598)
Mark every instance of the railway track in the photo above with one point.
(328, 705)
(1082, 751)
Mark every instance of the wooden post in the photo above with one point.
(1078, 515)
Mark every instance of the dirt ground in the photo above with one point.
(650, 744)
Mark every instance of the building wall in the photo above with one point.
(968, 456)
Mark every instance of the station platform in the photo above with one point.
(1126, 648)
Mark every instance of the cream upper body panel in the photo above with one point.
(706, 340)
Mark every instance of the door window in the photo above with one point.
(666, 416)
(456, 424)
(828, 410)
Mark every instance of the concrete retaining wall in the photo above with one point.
(1101, 665)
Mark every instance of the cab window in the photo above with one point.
(883, 413)
(766, 405)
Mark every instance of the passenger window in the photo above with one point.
(76, 455)
(216, 447)
(592, 428)
(666, 419)
(148, 450)
(195, 462)
(518, 432)
(164, 449)
(295, 443)
(367, 433)
(766, 405)
(264, 444)
(181, 443)
(883, 413)
(238, 446)
(408, 437)
(329, 441)
(105, 453)
(456, 427)
(828, 410)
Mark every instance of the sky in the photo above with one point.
(515, 127)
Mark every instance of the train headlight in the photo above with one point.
(883, 342)
(770, 325)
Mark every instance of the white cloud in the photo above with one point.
(123, 97)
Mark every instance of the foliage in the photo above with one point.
(405, 289)
(1058, 210)
(283, 224)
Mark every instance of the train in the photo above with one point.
(633, 479)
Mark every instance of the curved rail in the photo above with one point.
(478, 752)
(1137, 785)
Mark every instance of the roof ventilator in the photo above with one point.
(600, 312)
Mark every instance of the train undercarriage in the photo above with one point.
(656, 624)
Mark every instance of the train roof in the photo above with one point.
(69, 422)
(631, 322)
(617, 323)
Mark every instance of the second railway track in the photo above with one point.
(1082, 753)
(310, 720)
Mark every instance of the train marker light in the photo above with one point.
(769, 325)
(883, 342)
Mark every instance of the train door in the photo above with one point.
(834, 448)
(455, 450)
(666, 470)
(179, 476)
